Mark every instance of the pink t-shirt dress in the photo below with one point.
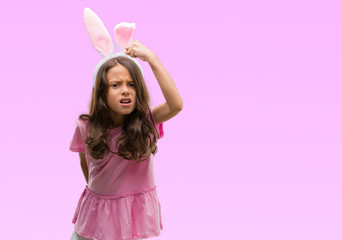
(120, 201)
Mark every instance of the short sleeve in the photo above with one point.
(159, 126)
(77, 141)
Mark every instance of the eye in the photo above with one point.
(131, 84)
(115, 85)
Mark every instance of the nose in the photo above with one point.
(124, 91)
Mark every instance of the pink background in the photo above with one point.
(254, 155)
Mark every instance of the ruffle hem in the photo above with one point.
(120, 217)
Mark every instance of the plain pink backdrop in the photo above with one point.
(254, 155)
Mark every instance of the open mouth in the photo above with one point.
(125, 101)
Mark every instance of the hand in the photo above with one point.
(137, 49)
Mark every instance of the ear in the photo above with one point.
(97, 32)
(123, 33)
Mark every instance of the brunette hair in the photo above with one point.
(139, 135)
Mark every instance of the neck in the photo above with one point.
(118, 119)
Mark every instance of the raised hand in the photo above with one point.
(137, 49)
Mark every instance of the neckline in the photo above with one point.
(114, 129)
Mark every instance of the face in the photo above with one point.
(120, 88)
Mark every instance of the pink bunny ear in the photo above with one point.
(97, 32)
(123, 33)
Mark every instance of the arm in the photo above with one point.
(84, 166)
(174, 102)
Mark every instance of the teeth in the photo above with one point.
(125, 101)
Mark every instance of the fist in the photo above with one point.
(137, 49)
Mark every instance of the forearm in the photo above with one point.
(166, 83)
(85, 171)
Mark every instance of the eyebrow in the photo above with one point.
(112, 81)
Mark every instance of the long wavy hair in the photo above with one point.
(139, 134)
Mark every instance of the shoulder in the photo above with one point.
(159, 126)
(149, 113)
(82, 120)
(83, 125)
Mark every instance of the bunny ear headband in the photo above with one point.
(101, 40)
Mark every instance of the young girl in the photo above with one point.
(116, 142)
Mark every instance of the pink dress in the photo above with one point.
(120, 201)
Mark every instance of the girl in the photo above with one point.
(116, 142)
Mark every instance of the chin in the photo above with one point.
(127, 111)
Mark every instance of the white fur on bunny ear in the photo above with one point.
(97, 32)
(123, 33)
